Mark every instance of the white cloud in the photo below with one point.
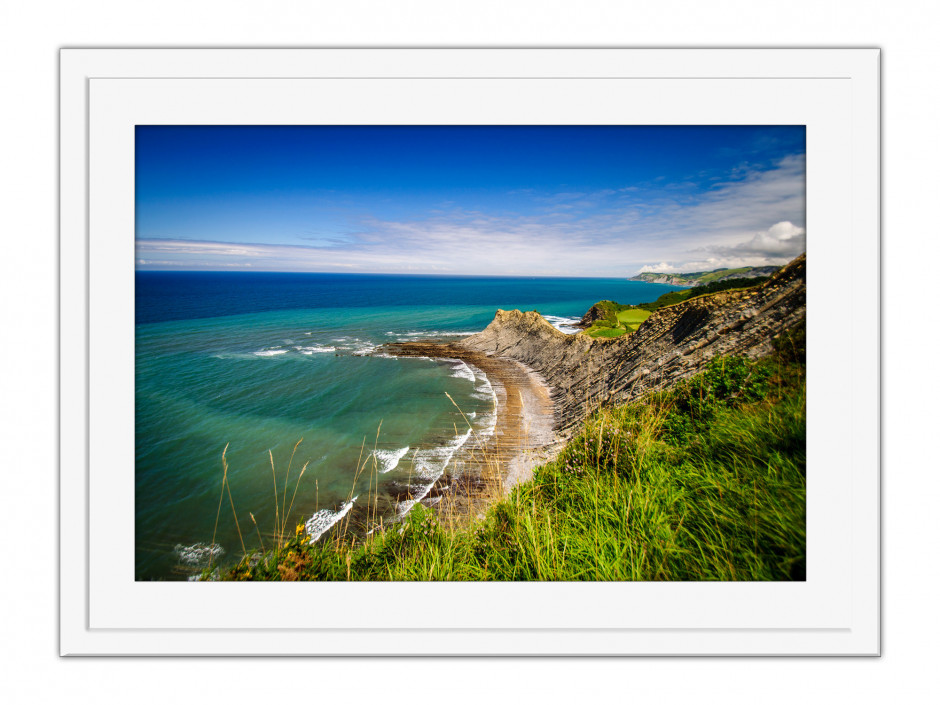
(754, 219)
(661, 267)
(783, 239)
(778, 244)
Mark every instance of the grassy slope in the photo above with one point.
(618, 320)
(704, 482)
(709, 277)
(675, 297)
(632, 317)
(621, 318)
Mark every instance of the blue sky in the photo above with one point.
(552, 201)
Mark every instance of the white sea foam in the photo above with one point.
(484, 390)
(388, 459)
(311, 349)
(563, 323)
(198, 553)
(364, 349)
(429, 465)
(462, 371)
(321, 521)
(487, 425)
(269, 353)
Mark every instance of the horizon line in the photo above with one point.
(384, 274)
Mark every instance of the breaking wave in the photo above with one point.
(388, 459)
(311, 349)
(321, 521)
(429, 466)
(198, 553)
(461, 370)
(563, 323)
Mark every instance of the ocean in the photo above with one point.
(255, 362)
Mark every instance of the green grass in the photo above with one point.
(627, 320)
(712, 287)
(631, 318)
(703, 482)
(617, 319)
(673, 297)
(597, 331)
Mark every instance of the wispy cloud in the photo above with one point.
(756, 216)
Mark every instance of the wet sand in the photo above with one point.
(523, 438)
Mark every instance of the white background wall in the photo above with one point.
(31, 33)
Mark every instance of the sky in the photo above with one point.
(589, 201)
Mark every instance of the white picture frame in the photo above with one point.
(104, 93)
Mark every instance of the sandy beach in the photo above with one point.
(523, 438)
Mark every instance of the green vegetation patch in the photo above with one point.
(596, 331)
(706, 481)
(675, 297)
(631, 318)
(617, 319)
(708, 277)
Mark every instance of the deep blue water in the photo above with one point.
(259, 360)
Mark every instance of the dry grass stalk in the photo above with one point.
(228, 487)
(284, 499)
(221, 494)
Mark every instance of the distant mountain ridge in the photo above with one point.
(700, 278)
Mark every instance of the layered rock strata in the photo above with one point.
(548, 382)
(675, 342)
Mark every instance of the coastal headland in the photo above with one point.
(548, 382)
(703, 480)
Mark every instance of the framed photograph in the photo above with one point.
(470, 352)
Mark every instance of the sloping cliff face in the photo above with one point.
(673, 343)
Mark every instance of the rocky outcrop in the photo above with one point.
(674, 342)
(598, 312)
(595, 313)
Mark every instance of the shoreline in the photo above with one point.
(523, 438)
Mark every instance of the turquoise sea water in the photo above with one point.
(259, 361)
